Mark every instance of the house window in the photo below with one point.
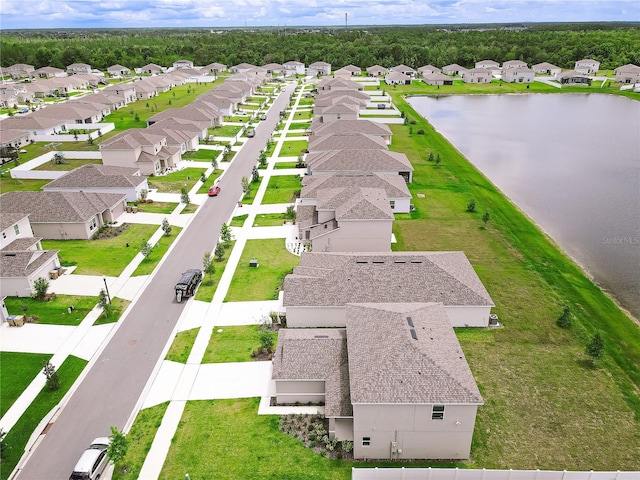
(392, 203)
(16, 229)
(93, 223)
(437, 413)
(366, 441)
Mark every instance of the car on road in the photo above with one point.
(251, 133)
(188, 283)
(214, 191)
(263, 117)
(92, 462)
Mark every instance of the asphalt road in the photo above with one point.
(110, 390)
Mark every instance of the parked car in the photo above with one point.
(188, 283)
(263, 117)
(251, 133)
(214, 191)
(92, 462)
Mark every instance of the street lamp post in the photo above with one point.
(106, 288)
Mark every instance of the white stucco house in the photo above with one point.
(518, 75)
(628, 74)
(587, 66)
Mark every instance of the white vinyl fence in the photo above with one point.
(484, 474)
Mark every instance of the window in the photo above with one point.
(366, 441)
(16, 229)
(437, 413)
(93, 223)
(392, 203)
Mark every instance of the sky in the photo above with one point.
(24, 14)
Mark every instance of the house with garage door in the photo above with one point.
(344, 160)
(437, 79)
(518, 75)
(316, 293)
(319, 68)
(477, 75)
(141, 149)
(377, 71)
(628, 74)
(410, 396)
(349, 127)
(546, 68)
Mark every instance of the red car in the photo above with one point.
(214, 191)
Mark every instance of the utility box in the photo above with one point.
(253, 263)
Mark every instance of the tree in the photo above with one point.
(246, 186)
(145, 248)
(219, 252)
(203, 177)
(595, 348)
(564, 320)
(207, 265)
(184, 196)
(262, 159)
(290, 214)
(471, 206)
(118, 445)
(58, 159)
(105, 303)
(40, 288)
(266, 341)
(485, 218)
(214, 164)
(166, 228)
(53, 380)
(255, 176)
(438, 160)
(225, 235)
(143, 194)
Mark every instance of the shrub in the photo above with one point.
(53, 380)
(40, 287)
(564, 320)
(471, 206)
(421, 132)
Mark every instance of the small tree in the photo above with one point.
(40, 288)
(104, 302)
(246, 186)
(118, 445)
(485, 218)
(595, 348)
(207, 265)
(564, 320)
(225, 235)
(214, 164)
(438, 160)
(255, 175)
(145, 248)
(431, 159)
(290, 214)
(53, 380)
(266, 341)
(143, 194)
(166, 228)
(184, 196)
(219, 252)
(262, 159)
(203, 177)
(471, 206)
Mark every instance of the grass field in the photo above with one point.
(204, 188)
(269, 220)
(264, 282)
(108, 256)
(238, 221)
(182, 345)
(292, 148)
(202, 155)
(225, 130)
(118, 306)
(173, 182)
(282, 189)
(284, 165)
(207, 288)
(150, 262)
(157, 207)
(18, 370)
(234, 344)
(70, 164)
(8, 184)
(55, 312)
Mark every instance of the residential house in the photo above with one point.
(241, 68)
(428, 69)
(395, 78)
(78, 68)
(93, 178)
(140, 149)
(178, 64)
(627, 74)
(410, 72)
(185, 134)
(437, 79)
(411, 396)
(274, 68)
(453, 69)
(65, 215)
(337, 111)
(573, 78)
(20, 70)
(75, 112)
(518, 75)
(348, 71)
(513, 64)
(118, 71)
(152, 69)
(377, 71)
(319, 69)
(34, 125)
(316, 293)
(145, 89)
(394, 186)
(355, 141)
(587, 66)
(125, 90)
(214, 68)
(488, 64)
(334, 84)
(293, 67)
(546, 68)
(13, 138)
(8, 99)
(354, 160)
(477, 75)
(346, 219)
(349, 127)
(22, 260)
(50, 72)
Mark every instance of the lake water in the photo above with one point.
(570, 161)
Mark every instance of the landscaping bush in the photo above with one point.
(420, 132)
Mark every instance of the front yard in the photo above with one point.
(56, 311)
(282, 189)
(234, 344)
(175, 181)
(293, 148)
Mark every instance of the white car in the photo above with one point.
(92, 462)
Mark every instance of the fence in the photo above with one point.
(484, 474)
(81, 137)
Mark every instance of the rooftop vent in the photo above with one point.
(362, 260)
(321, 336)
(410, 322)
(378, 261)
(413, 334)
(400, 260)
(416, 260)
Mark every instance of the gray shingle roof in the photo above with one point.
(334, 279)
(355, 203)
(23, 263)
(394, 185)
(56, 207)
(8, 219)
(387, 365)
(354, 160)
(356, 141)
(19, 244)
(98, 176)
(346, 127)
(316, 354)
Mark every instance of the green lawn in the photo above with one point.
(55, 312)
(157, 207)
(202, 155)
(204, 188)
(8, 184)
(182, 345)
(292, 148)
(173, 182)
(70, 164)
(234, 344)
(250, 196)
(269, 220)
(19, 435)
(295, 125)
(118, 305)
(207, 288)
(238, 221)
(108, 256)
(304, 115)
(18, 371)
(225, 130)
(284, 165)
(150, 262)
(264, 282)
(282, 189)
(191, 208)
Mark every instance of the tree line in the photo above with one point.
(613, 44)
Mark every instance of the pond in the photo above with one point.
(569, 161)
